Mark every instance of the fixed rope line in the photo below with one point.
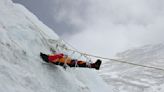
(69, 44)
(120, 61)
(40, 31)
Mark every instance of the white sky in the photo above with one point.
(103, 27)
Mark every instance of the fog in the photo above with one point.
(102, 27)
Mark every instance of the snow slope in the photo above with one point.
(129, 78)
(22, 37)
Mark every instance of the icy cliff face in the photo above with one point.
(22, 38)
(129, 78)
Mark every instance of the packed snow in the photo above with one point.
(22, 38)
(130, 78)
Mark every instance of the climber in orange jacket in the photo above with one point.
(61, 59)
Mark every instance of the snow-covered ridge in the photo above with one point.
(129, 78)
(21, 69)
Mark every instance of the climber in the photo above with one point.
(61, 59)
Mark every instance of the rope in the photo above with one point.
(153, 67)
(40, 31)
(120, 61)
(86, 54)
(76, 65)
(65, 61)
(116, 60)
(69, 44)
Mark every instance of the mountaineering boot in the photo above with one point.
(44, 57)
(96, 65)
